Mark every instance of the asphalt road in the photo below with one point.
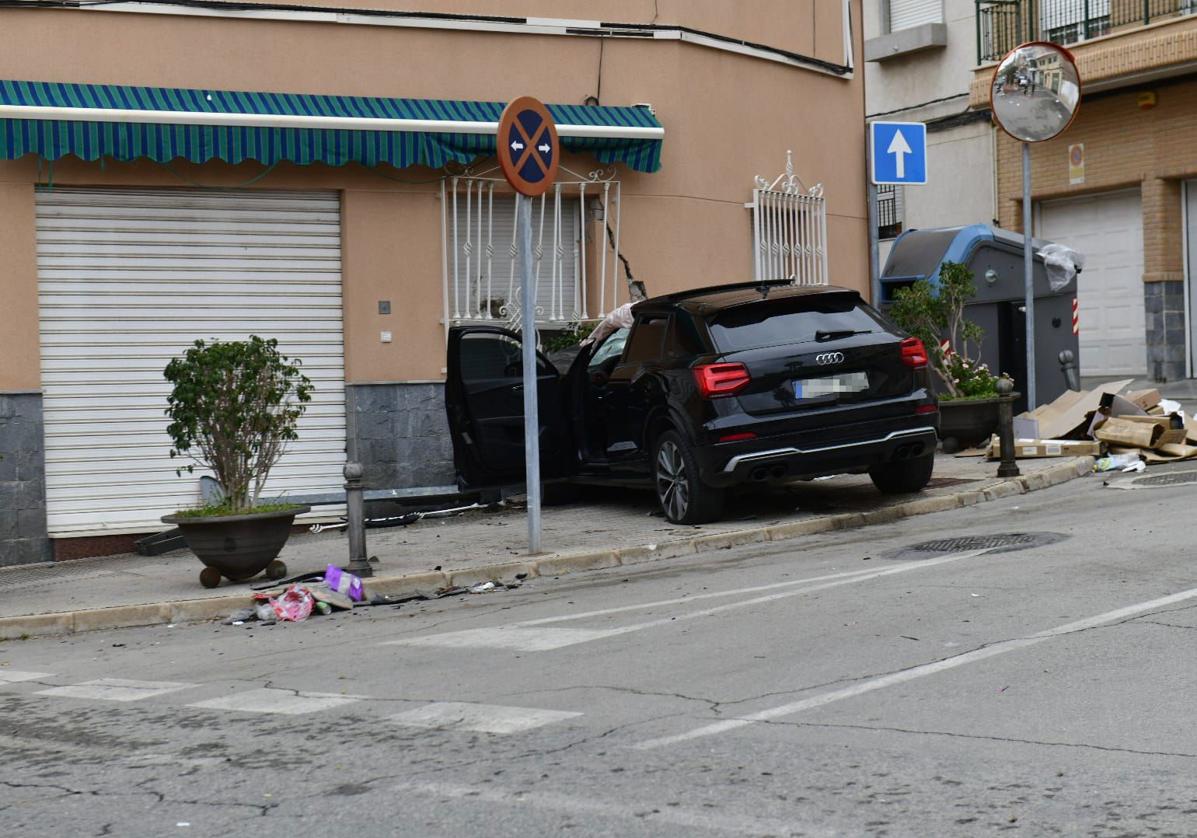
(813, 687)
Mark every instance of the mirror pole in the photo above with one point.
(1028, 274)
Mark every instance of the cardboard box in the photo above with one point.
(1172, 427)
(1127, 434)
(1025, 449)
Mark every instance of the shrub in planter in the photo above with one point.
(233, 408)
(937, 318)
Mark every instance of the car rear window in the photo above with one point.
(777, 322)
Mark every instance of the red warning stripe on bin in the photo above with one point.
(1076, 316)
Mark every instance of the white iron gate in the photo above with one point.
(575, 243)
(789, 229)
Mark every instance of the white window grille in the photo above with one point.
(575, 243)
(789, 225)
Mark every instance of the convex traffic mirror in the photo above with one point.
(1036, 92)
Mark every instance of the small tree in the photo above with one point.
(934, 316)
(236, 403)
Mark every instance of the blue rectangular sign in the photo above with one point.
(898, 152)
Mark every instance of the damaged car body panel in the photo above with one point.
(707, 389)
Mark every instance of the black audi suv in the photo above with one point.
(707, 390)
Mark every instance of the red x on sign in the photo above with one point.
(527, 146)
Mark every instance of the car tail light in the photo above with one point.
(720, 379)
(914, 354)
(926, 408)
(740, 437)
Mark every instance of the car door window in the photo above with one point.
(609, 351)
(488, 356)
(647, 340)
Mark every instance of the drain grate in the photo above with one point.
(1174, 478)
(998, 543)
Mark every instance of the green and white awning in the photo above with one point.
(95, 121)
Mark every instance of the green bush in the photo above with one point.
(233, 408)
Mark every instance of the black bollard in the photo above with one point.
(1006, 394)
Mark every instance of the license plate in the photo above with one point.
(831, 385)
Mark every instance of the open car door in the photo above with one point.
(484, 397)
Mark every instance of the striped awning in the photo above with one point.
(94, 121)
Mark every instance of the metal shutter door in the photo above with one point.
(904, 14)
(127, 280)
(1108, 229)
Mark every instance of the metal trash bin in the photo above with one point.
(995, 256)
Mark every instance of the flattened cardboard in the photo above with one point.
(1068, 416)
(1170, 454)
(1025, 449)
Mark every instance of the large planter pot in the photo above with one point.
(238, 547)
(964, 423)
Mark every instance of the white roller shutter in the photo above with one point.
(1108, 229)
(905, 14)
(127, 280)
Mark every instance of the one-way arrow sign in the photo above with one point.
(898, 152)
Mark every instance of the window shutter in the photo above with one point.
(905, 14)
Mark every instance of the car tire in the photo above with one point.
(683, 497)
(903, 476)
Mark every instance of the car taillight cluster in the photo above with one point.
(720, 379)
(914, 354)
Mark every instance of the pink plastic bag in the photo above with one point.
(294, 605)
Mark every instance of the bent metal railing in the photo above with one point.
(1004, 24)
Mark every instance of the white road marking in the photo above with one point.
(919, 671)
(521, 636)
(116, 689)
(507, 637)
(283, 702)
(482, 718)
(586, 807)
(13, 676)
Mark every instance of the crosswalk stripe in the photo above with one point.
(282, 702)
(13, 676)
(116, 689)
(480, 718)
(507, 637)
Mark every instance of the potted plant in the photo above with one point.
(233, 408)
(969, 401)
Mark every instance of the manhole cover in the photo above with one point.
(999, 543)
(1174, 478)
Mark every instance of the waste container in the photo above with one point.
(995, 257)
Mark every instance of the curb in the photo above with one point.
(211, 608)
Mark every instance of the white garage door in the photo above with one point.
(127, 280)
(1108, 229)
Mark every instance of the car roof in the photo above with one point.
(705, 301)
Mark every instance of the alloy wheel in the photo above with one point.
(673, 484)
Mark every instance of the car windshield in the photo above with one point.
(772, 323)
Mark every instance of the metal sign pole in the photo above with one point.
(1028, 265)
(531, 414)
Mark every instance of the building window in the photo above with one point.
(889, 211)
(907, 14)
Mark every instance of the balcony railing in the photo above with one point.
(1004, 24)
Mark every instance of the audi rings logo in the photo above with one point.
(828, 358)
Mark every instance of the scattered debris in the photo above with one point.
(1124, 430)
(344, 582)
(295, 605)
(482, 588)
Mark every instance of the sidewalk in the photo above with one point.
(610, 528)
